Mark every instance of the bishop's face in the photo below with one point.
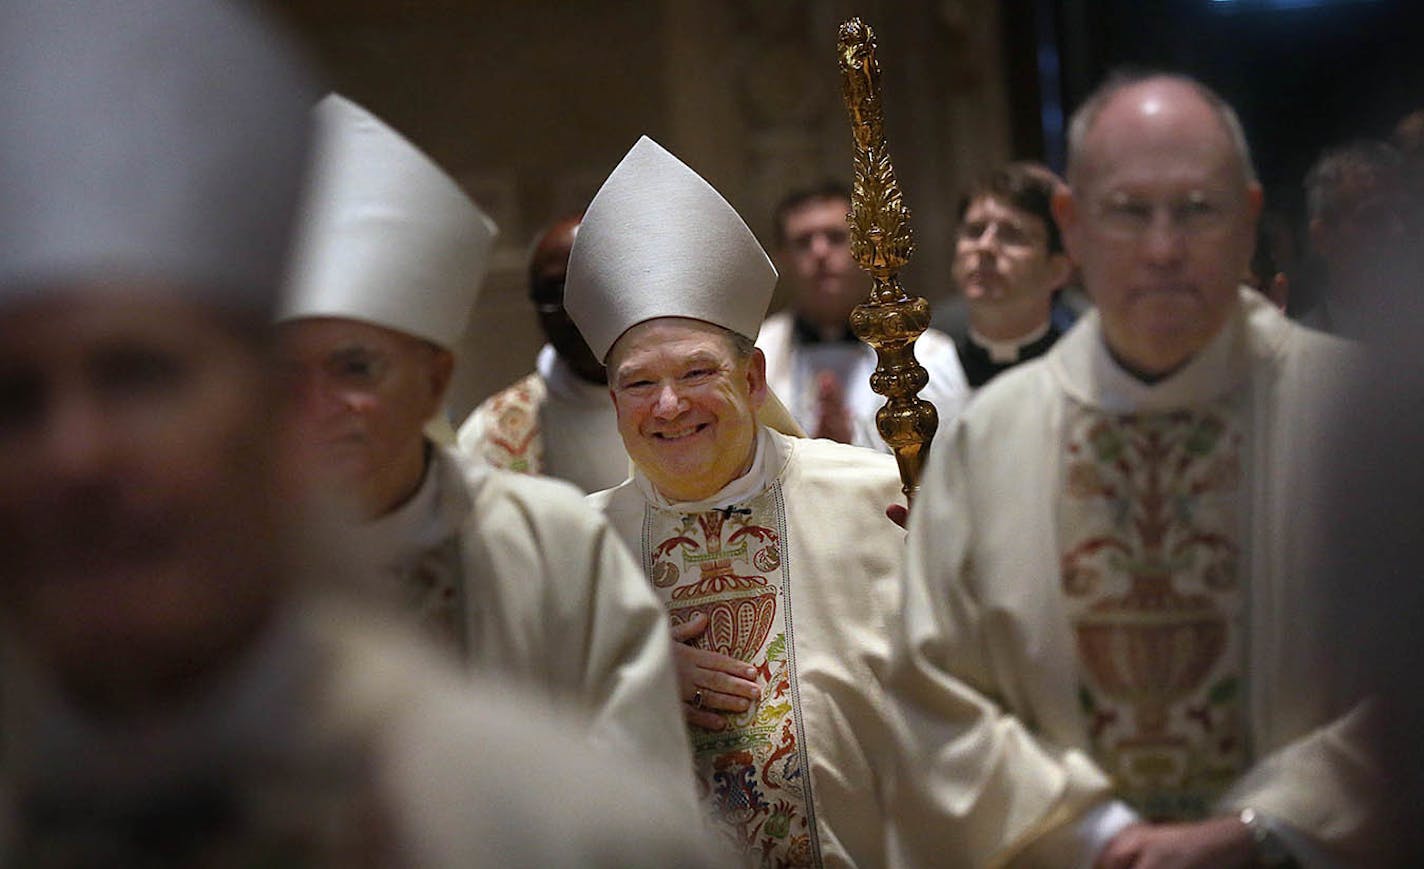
(686, 404)
(362, 395)
(137, 488)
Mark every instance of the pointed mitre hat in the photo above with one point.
(658, 241)
(387, 237)
(149, 141)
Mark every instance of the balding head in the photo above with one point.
(549, 260)
(1131, 85)
(1408, 135)
(548, 267)
(1160, 216)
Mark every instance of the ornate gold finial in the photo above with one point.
(881, 241)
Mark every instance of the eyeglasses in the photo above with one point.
(547, 295)
(1198, 213)
(837, 237)
(1007, 233)
(1385, 217)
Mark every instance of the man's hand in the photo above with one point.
(1217, 843)
(710, 682)
(832, 415)
(1278, 290)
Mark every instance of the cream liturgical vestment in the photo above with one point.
(1122, 565)
(529, 582)
(550, 422)
(794, 565)
(335, 740)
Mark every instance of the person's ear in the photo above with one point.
(440, 373)
(756, 378)
(1065, 212)
(1255, 200)
(1278, 291)
(1320, 237)
(1060, 269)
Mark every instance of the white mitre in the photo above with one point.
(156, 142)
(658, 241)
(388, 238)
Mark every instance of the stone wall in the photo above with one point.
(530, 103)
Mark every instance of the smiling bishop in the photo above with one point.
(772, 554)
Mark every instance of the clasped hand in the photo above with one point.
(710, 683)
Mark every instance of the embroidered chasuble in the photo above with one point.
(521, 578)
(551, 422)
(728, 564)
(1125, 568)
(417, 549)
(794, 565)
(1149, 520)
(504, 431)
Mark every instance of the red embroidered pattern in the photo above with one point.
(752, 776)
(511, 437)
(1150, 563)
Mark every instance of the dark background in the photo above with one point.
(1303, 74)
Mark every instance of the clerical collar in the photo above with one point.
(807, 332)
(1009, 351)
(564, 383)
(1090, 374)
(414, 527)
(739, 491)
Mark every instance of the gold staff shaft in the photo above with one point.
(881, 241)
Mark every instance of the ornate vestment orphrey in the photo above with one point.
(732, 565)
(514, 438)
(1150, 523)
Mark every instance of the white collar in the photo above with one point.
(1090, 374)
(424, 520)
(1010, 350)
(565, 384)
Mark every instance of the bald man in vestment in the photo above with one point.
(1109, 541)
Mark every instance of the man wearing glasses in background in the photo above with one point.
(1008, 263)
(1111, 542)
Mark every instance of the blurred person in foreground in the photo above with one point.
(1408, 139)
(772, 554)
(1110, 540)
(171, 693)
(515, 574)
(1356, 197)
(813, 360)
(1008, 264)
(556, 420)
(1370, 551)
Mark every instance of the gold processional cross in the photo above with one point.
(881, 241)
